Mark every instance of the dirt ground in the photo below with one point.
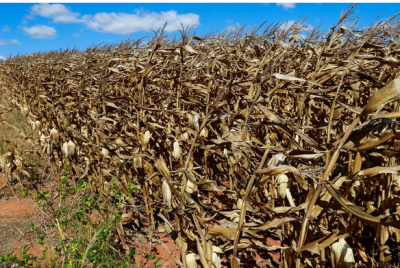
(16, 212)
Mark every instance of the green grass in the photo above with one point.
(81, 242)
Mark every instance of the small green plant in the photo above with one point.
(155, 265)
(131, 187)
(27, 260)
(24, 191)
(151, 257)
(80, 245)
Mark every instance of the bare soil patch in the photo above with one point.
(16, 212)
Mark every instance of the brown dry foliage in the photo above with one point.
(236, 137)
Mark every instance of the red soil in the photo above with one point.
(164, 249)
(16, 212)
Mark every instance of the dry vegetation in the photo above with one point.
(233, 138)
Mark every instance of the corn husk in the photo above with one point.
(69, 149)
(282, 182)
(343, 256)
(190, 187)
(216, 259)
(54, 136)
(146, 138)
(191, 260)
(167, 194)
(177, 150)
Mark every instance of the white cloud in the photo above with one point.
(7, 42)
(122, 23)
(116, 23)
(288, 24)
(2, 57)
(27, 18)
(40, 31)
(57, 12)
(233, 27)
(287, 5)
(76, 35)
(5, 29)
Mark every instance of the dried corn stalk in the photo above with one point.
(190, 121)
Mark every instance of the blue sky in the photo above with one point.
(28, 28)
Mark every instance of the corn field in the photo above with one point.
(232, 138)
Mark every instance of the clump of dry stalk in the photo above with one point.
(234, 138)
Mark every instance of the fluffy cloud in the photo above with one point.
(5, 29)
(288, 24)
(232, 27)
(115, 23)
(123, 23)
(40, 31)
(7, 42)
(57, 12)
(287, 5)
(2, 57)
